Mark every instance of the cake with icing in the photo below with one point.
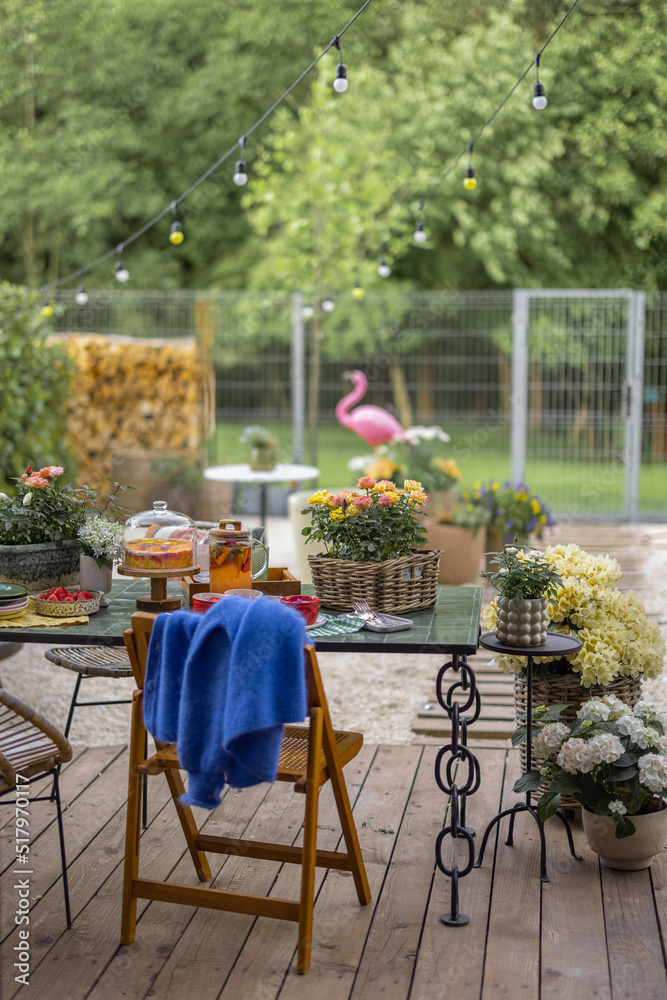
(159, 553)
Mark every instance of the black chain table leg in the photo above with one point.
(457, 750)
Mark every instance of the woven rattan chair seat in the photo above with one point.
(29, 745)
(292, 762)
(93, 661)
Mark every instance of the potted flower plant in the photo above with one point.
(613, 760)
(102, 546)
(526, 583)
(620, 645)
(262, 447)
(372, 545)
(460, 534)
(39, 525)
(514, 510)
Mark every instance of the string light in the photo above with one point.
(469, 180)
(539, 97)
(240, 176)
(420, 233)
(340, 82)
(383, 268)
(81, 297)
(328, 305)
(176, 236)
(358, 292)
(122, 273)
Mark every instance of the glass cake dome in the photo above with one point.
(160, 540)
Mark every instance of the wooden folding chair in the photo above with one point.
(309, 756)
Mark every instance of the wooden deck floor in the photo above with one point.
(588, 933)
(642, 553)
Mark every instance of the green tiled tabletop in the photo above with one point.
(452, 625)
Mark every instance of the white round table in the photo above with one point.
(262, 477)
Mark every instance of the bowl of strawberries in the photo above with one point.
(58, 602)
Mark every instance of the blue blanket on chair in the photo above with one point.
(222, 685)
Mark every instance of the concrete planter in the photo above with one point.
(41, 565)
(631, 853)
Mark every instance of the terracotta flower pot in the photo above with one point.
(631, 853)
(462, 550)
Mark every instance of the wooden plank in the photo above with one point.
(483, 729)
(393, 942)
(658, 876)
(574, 948)
(74, 781)
(198, 952)
(513, 950)
(636, 957)
(341, 924)
(129, 971)
(454, 955)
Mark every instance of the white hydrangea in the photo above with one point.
(653, 771)
(577, 755)
(632, 726)
(605, 748)
(102, 539)
(550, 738)
(646, 710)
(617, 808)
(594, 710)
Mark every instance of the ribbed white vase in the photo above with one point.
(94, 577)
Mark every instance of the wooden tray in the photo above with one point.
(280, 582)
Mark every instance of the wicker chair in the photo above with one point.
(29, 748)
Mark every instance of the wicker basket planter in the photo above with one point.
(394, 586)
(565, 689)
(41, 564)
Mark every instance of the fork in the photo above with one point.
(365, 611)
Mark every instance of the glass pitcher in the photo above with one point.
(230, 557)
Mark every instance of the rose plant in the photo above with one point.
(372, 526)
(523, 574)
(612, 759)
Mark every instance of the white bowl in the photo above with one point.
(66, 609)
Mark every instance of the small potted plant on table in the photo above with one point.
(262, 447)
(526, 583)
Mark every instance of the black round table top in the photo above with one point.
(556, 645)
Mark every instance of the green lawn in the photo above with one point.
(569, 484)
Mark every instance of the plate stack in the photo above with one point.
(13, 600)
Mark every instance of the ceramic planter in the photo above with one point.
(524, 624)
(41, 565)
(94, 577)
(631, 853)
(462, 550)
(262, 458)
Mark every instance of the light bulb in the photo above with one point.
(383, 268)
(176, 236)
(358, 291)
(469, 181)
(81, 297)
(122, 274)
(539, 100)
(419, 233)
(47, 310)
(240, 176)
(328, 305)
(340, 83)
(307, 312)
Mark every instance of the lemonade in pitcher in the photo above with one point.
(230, 557)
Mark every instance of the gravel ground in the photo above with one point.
(377, 695)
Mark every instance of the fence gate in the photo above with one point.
(577, 399)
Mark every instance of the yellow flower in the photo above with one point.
(535, 507)
(337, 515)
(448, 466)
(351, 511)
(411, 485)
(382, 469)
(322, 496)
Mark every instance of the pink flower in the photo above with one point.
(363, 503)
(366, 483)
(50, 471)
(385, 501)
(27, 473)
(37, 482)
(340, 499)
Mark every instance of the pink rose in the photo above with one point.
(37, 482)
(366, 483)
(385, 501)
(363, 503)
(50, 471)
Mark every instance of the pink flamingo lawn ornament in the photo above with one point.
(372, 423)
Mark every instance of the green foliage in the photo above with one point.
(522, 574)
(372, 526)
(513, 508)
(43, 510)
(34, 384)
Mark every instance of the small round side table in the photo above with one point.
(556, 645)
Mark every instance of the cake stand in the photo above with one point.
(158, 600)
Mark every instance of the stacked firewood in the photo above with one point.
(132, 395)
